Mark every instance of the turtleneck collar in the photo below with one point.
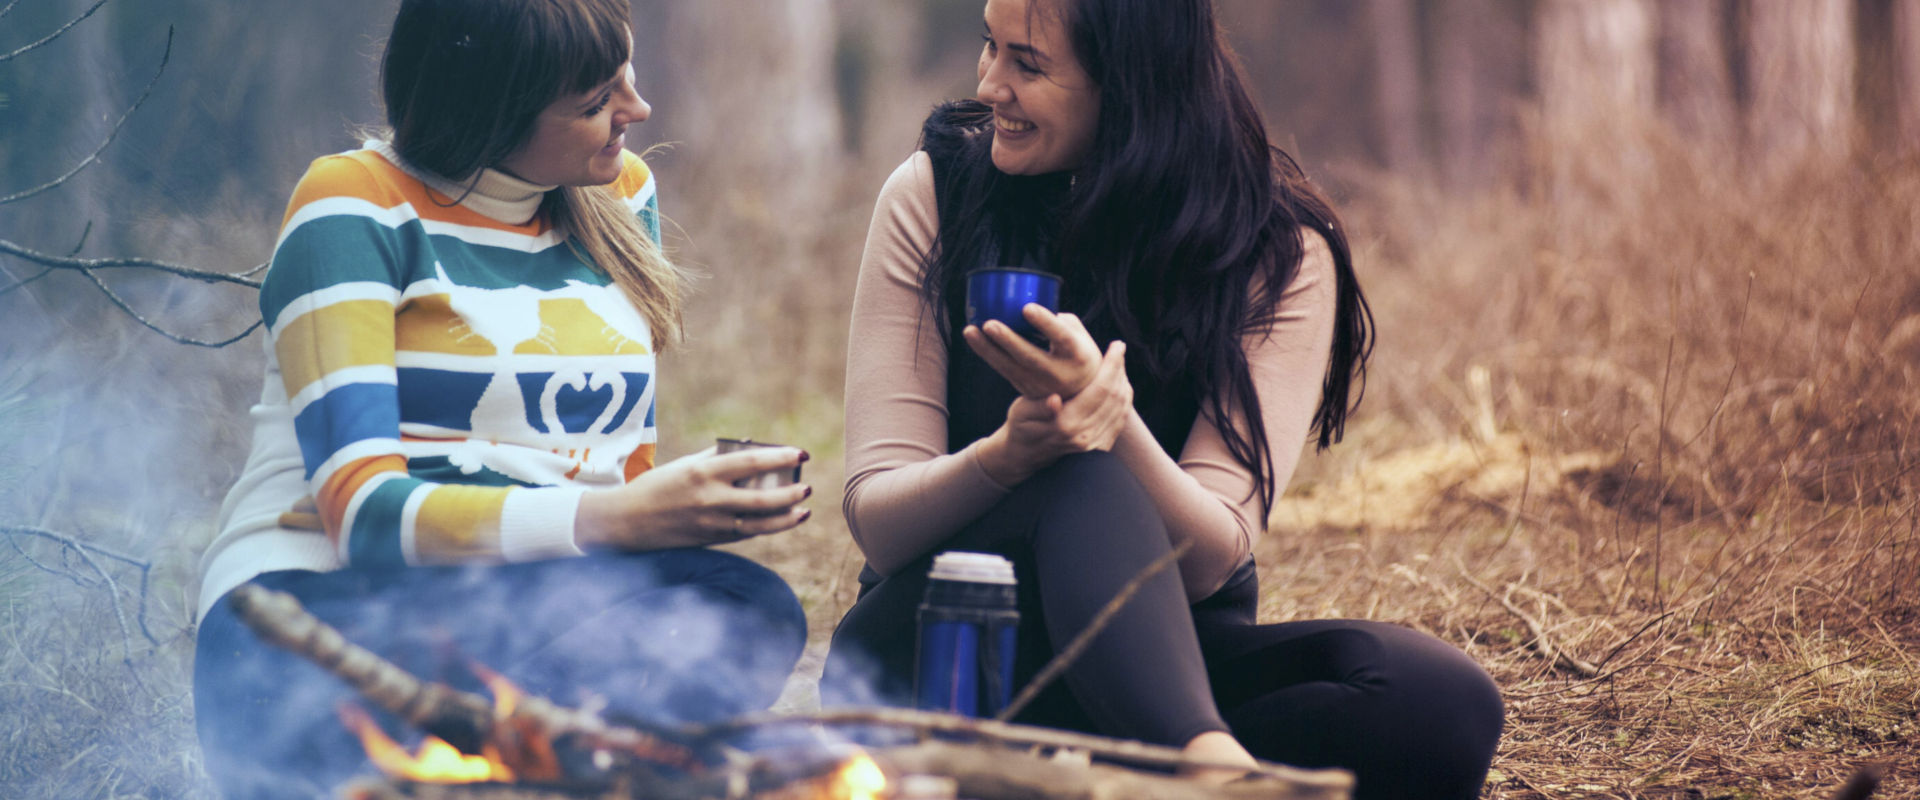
(496, 195)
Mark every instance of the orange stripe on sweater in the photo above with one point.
(341, 486)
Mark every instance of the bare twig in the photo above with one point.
(87, 551)
(182, 339)
(25, 282)
(51, 36)
(9, 8)
(88, 264)
(1541, 643)
(1067, 655)
(111, 133)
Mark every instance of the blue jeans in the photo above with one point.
(667, 636)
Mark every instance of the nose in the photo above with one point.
(629, 106)
(993, 89)
(638, 110)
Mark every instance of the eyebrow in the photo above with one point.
(593, 96)
(1021, 48)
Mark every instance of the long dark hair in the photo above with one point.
(464, 83)
(1180, 206)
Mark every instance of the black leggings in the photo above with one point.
(1410, 715)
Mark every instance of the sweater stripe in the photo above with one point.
(417, 340)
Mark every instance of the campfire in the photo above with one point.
(518, 746)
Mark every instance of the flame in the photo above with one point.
(435, 761)
(859, 779)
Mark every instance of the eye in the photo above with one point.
(988, 38)
(599, 105)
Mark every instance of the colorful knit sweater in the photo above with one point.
(443, 380)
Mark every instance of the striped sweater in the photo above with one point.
(443, 381)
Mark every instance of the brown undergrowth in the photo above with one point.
(1646, 450)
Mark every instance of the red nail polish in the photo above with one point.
(805, 456)
(806, 515)
(809, 493)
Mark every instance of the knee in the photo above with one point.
(1096, 481)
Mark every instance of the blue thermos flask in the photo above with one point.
(968, 623)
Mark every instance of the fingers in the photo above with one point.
(743, 464)
(739, 527)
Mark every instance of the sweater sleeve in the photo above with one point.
(339, 275)
(1209, 497)
(904, 492)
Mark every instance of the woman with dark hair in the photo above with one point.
(1113, 144)
(462, 322)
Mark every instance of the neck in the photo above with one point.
(492, 193)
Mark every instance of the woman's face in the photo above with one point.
(577, 139)
(1044, 105)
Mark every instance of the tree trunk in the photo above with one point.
(1695, 81)
(1397, 95)
(1464, 104)
(1596, 61)
(1799, 69)
(1906, 72)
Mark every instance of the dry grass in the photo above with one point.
(1647, 451)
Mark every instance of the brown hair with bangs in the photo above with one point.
(464, 82)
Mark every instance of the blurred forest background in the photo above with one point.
(1639, 434)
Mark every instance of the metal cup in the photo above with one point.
(765, 480)
(1000, 292)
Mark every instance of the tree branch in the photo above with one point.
(182, 339)
(111, 133)
(86, 264)
(51, 36)
(4, 11)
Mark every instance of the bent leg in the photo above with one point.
(1411, 715)
(1077, 532)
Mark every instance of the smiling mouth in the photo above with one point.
(1012, 125)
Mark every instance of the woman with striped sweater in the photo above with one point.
(463, 320)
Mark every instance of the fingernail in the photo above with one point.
(807, 494)
(806, 515)
(805, 456)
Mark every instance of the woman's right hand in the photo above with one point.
(692, 502)
(1039, 431)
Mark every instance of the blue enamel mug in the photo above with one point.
(1000, 292)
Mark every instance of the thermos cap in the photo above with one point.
(971, 568)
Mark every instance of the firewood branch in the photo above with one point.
(926, 723)
(465, 720)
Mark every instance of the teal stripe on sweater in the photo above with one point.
(346, 248)
(374, 533)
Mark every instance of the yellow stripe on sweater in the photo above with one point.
(458, 523)
(354, 333)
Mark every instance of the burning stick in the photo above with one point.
(467, 721)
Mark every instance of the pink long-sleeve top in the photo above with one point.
(905, 493)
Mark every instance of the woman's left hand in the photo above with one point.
(1039, 431)
(1067, 366)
